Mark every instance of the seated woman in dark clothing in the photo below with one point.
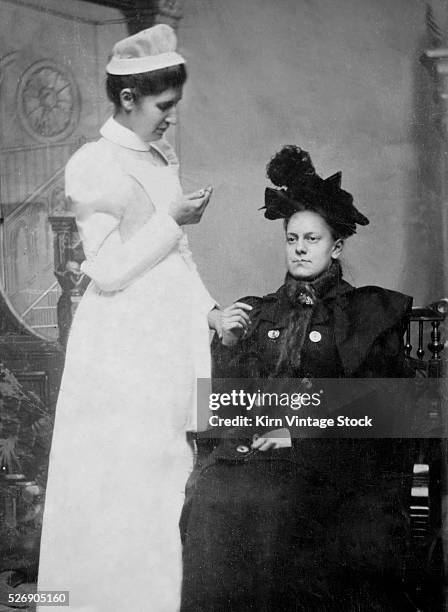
(303, 524)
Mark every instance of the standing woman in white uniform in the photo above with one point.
(139, 340)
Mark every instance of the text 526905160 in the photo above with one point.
(43, 598)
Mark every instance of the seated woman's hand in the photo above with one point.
(189, 208)
(277, 438)
(230, 323)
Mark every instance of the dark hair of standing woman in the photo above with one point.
(146, 83)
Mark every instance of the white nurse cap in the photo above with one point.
(150, 49)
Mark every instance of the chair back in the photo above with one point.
(423, 349)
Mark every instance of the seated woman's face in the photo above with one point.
(310, 246)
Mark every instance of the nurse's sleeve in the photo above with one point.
(204, 301)
(100, 193)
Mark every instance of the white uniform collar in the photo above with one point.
(118, 134)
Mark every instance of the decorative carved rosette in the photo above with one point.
(48, 101)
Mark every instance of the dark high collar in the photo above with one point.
(276, 306)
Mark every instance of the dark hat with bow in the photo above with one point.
(299, 187)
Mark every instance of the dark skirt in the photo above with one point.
(305, 529)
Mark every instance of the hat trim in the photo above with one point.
(137, 65)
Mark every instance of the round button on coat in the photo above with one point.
(315, 336)
(242, 448)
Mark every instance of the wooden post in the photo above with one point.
(63, 225)
(436, 61)
(71, 280)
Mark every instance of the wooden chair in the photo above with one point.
(426, 575)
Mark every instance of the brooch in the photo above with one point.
(305, 299)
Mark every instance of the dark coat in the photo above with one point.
(366, 325)
(320, 526)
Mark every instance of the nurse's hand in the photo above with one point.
(230, 323)
(277, 438)
(189, 209)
